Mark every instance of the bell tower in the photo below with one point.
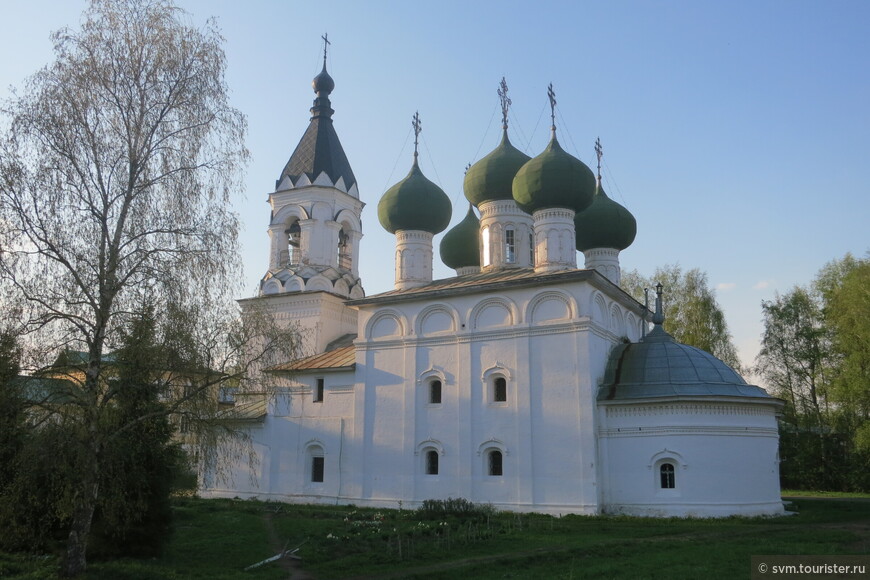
(315, 231)
(316, 227)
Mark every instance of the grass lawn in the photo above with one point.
(217, 539)
(805, 493)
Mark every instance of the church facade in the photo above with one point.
(524, 381)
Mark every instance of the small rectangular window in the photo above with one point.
(318, 391)
(317, 469)
(499, 394)
(435, 392)
(484, 243)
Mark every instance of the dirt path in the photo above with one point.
(292, 566)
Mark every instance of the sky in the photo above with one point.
(737, 133)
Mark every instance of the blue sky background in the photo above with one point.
(737, 133)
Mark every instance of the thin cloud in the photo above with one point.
(762, 285)
(726, 286)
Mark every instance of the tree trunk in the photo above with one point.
(75, 562)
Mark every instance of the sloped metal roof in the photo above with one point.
(342, 358)
(247, 411)
(488, 281)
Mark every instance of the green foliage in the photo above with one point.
(795, 356)
(692, 314)
(816, 356)
(141, 458)
(139, 463)
(847, 311)
(12, 417)
(31, 474)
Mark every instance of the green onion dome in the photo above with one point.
(460, 247)
(554, 179)
(492, 177)
(604, 224)
(415, 203)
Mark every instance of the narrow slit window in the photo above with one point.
(431, 462)
(510, 248)
(494, 459)
(532, 248)
(666, 472)
(484, 243)
(435, 392)
(318, 391)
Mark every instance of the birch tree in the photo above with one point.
(117, 164)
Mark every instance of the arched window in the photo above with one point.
(510, 246)
(666, 473)
(431, 462)
(435, 392)
(294, 243)
(499, 390)
(316, 464)
(345, 255)
(494, 462)
(484, 243)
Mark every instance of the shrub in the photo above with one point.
(459, 508)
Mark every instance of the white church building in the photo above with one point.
(524, 381)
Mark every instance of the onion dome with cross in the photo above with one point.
(554, 179)
(415, 203)
(605, 223)
(492, 177)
